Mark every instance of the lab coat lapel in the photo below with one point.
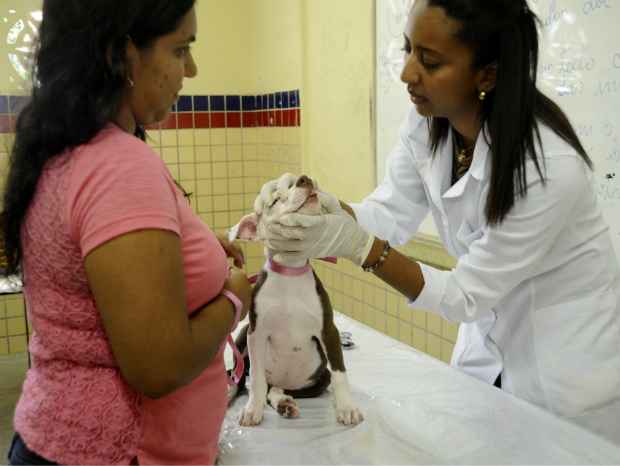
(477, 170)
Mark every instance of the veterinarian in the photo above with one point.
(129, 293)
(508, 183)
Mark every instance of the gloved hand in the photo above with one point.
(335, 233)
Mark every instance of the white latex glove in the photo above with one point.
(335, 233)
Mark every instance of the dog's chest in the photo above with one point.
(290, 306)
(289, 317)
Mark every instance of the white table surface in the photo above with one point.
(417, 410)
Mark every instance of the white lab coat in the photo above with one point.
(537, 296)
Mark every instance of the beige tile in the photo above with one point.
(392, 303)
(186, 138)
(358, 311)
(235, 153)
(357, 289)
(221, 220)
(219, 154)
(204, 171)
(207, 218)
(433, 324)
(418, 339)
(220, 186)
(250, 153)
(186, 155)
(3, 328)
(17, 344)
(4, 346)
(381, 321)
(235, 170)
(202, 154)
(392, 327)
(202, 137)
(220, 170)
(205, 204)
(404, 311)
(380, 297)
(349, 305)
(433, 345)
(248, 199)
(204, 187)
(16, 326)
(337, 300)
(405, 333)
(250, 168)
(169, 138)
(174, 170)
(234, 136)
(369, 294)
(250, 135)
(220, 204)
(15, 307)
(187, 172)
(153, 137)
(419, 318)
(235, 201)
(218, 137)
(446, 351)
(450, 330)
(369, 315)
(170, 154)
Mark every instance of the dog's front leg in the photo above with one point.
(253, 412)
(347, 412)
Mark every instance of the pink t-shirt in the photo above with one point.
(75, 407)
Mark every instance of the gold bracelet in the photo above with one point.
(374, 267)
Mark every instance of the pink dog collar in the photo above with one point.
(289, 271)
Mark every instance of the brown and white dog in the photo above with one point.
(291, 335)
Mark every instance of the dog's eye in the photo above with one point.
(275, 201)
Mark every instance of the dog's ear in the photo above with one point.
(245, 229)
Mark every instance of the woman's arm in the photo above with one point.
(399, 271)
(138, 284)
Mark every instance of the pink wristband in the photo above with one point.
(238, 306)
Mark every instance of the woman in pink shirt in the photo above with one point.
(129, 293)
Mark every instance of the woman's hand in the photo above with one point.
(335, 233)
(232, 250)
(240, 286)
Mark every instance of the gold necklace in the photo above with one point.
(464, 157)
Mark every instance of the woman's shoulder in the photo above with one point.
(552, 144)
(115, 147)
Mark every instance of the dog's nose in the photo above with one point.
(304, 182)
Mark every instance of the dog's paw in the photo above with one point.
(349, 415)
(252, 415)
(287, 407)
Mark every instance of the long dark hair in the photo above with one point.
(78, 80)
(504, 32)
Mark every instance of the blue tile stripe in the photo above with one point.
(10, 105)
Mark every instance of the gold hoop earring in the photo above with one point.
(482, 95)
(131, 83)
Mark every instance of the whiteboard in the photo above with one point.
(579, 69)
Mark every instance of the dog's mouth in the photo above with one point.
(312, 198)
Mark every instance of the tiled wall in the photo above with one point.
(220, 148)
(367, 299)
(12, 324)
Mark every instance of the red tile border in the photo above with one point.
(233, 119)
(286, 117)
(218, 120)
(202, 120)
(185, 120)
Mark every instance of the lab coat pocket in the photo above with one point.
(466, 234)
(577, 353)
